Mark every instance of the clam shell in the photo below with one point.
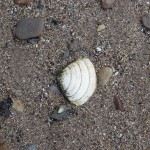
(78, 81)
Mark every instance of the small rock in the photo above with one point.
(54, 21)
(107, 4)
(30, 147)
(33, 40)
(63, 108)
(54, 89)
(3, 146)
(118, 103)
(104, 75)
(99, 49)
(100, 28)
(29, 28)
(59, 116)
(18, 105)
(5, 107)
(66, 55)
(22, 2)
(146, 21)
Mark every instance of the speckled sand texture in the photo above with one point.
(28, 69)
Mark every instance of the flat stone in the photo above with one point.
(59, 116)
(22, 2)
(66, 55)
(100, 28)
(3, 146)
(29, 28)
(18, 105)
(104, 75)
(107, 4)
(146, 21)
(54, 89)
(30, 147)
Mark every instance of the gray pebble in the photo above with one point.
(54, 89)
(146, 21)
(59, 116)
(66, 55)
(30, 147)
(29, 28)
(104, 75)
(107, 4)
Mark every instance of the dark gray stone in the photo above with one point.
(146, 21)
(59, 116)
(29, 28)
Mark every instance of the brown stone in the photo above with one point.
(104, 75)
(22, 2)
(3, 146)
(107, 3)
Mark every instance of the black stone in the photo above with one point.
(5, 107)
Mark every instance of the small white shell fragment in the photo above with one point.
(99, 49)
(78, 81)
(62, 108)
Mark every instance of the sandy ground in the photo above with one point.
(27, 70)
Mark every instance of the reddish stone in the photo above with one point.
(22, 2)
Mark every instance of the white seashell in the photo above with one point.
(78, 81)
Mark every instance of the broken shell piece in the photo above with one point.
(78, 81)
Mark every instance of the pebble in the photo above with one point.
(60, 114)
(29, 28)
(107, 4)
(54, 89)
(22, 2)
(30, 147)
(3, 146)
(18, 105)
(146, 21)
(66, 55)
(5, 107)
(104, 75)
(100, 28)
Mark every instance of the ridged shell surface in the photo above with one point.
(78, 81)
